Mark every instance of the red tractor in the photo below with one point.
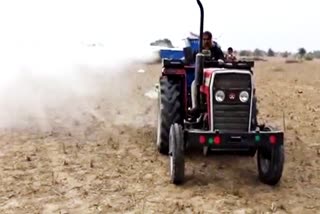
(212, 106)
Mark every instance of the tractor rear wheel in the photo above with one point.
(176, 153)
(169, 111)
(270, 164)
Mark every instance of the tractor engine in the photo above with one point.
(230, 93)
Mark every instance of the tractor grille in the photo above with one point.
(231, 114)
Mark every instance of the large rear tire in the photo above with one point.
(270, 163)
(176, 153)
(169, 111)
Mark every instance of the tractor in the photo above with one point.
(209, 105)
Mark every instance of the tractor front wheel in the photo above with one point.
(176, 154)
(270, 164)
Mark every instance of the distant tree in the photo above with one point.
(302, 52)
(258, 53)
(271, 52)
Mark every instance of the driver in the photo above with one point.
(212, 46)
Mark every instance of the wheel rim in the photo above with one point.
(172, 150)
(158, 129)
(171, 165)
(265, 165)
(159, 120)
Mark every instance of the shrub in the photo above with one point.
(316, 54)
(245, 53)
(309, 57)
(258, 53)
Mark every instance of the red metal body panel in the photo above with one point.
(205, 88)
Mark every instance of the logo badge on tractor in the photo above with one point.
(232, 96)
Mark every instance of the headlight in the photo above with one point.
(244, 96)
(220, 96)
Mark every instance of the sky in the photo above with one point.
(246, 24)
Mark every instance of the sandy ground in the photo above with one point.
(105, 161)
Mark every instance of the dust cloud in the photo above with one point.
(57, 58)
(42, 84)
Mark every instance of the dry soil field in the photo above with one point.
(105, 160)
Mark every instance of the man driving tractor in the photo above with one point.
(212, 46)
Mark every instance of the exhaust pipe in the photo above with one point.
(199, 64)
(201, 24)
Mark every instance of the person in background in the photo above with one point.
(230, 57)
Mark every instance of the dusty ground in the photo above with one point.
(106, 162)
